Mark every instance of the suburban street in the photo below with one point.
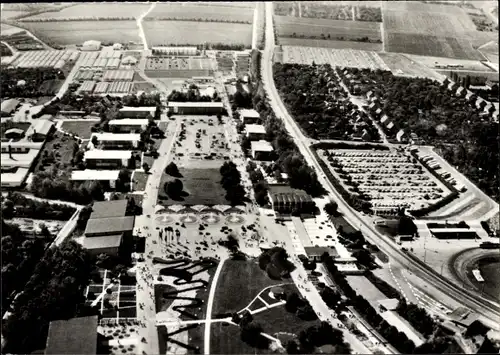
(489, 311)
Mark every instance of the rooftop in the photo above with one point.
(389, 304)
(138, 109)
(14, 178)
(261, 146)
(107, 209)
(72, 336)
(19, 159)
(255, 128)
(40, 127)
(9, 105)
(195, 104)
(88, 174)
(109, 225)
(318, 251)
(108, 154)
(249, 113)
(117, 136)
(129, 121)
(106, 241)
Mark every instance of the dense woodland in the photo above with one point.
(465, 136)
(192, 95)
(319, 104)
(54, 291)
(33, 79)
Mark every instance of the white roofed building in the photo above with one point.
(196, 108)
(249, 116)
(137, 112)
(255, 132)
(91, 45)
(117, 141)
(116, 159)
(261, 150)
(128, 125)
(109, 176)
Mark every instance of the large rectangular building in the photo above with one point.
(108, 177)
(255, 132)
(262, 150)
(16, 161)
(249, 116)
(128, 125)
(196, 108)
(137, 112)
(116, 140)
(284, 199)
(97, 158)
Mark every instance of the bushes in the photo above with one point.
(29, 208)
(231, 181)
(33, 77)
(275, 262)
(383, 286)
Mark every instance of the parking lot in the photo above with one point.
(391, 179)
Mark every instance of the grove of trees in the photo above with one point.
(319, 104)
(231, 181)
(275, 262)
(54, 291)
(33, 78)
(19, 206)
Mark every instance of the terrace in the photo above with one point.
(391, 180)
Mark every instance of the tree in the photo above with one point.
(331, 208)
(292, 347)
(173, 170)
(293, 301)
(145, 167)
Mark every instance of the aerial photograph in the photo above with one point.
(287, 177)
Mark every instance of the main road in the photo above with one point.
(490, 311)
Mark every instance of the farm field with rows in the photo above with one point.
(437, 46)
(168, 32)
(204, 12)
(93, 11)
(431, 29)
(324, 43)
(77, 32)
(297, 27)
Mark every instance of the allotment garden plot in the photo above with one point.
(334, 57)
(391, 179)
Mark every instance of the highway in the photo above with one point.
(489, 310)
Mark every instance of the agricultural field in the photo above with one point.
(433, 62)
(167, 32)
(402, 65)
(334, 57)
(431, 29)
(421, 44)
(327, 29)
(5, 15)
(430, 19)
(324, 43)
(92, 11)
(202, 12)
(77, 32)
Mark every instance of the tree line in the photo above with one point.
(19, 206)
(199, 19)
(33, 79)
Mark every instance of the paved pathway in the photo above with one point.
(141, 28)
(210, 303)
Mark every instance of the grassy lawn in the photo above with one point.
(238, 284)
(5, 126)
(277, 319)
(225, 339)
(140, 179)
(339, 220)
(201, 186)
(62, 147)
(80, 128)
(143, 86)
